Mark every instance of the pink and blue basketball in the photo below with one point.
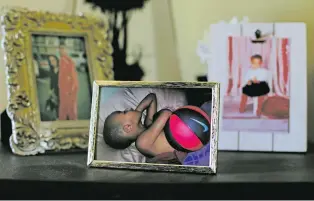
(188, 129)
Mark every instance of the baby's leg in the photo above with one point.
(243, 103)
(260, 101)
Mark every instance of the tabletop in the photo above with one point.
(240, 175)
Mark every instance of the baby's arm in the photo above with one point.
(145, 143)
(149, 103)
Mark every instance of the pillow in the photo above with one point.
(113, 99)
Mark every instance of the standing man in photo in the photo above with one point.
(68, 86)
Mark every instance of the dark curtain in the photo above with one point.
(114, 8)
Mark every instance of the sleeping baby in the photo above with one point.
(122, 128)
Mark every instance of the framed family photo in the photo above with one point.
(51, 61)
(158, 126)
(262, 71)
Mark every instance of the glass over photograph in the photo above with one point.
(62, 77)
(257, 95)
(154, 125)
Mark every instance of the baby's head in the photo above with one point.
(121, 128)
(256, 61)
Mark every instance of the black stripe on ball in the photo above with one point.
(170, 138)
(185, 114)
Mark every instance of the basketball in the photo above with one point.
(276, 107)
(188, 129)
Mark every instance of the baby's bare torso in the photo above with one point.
(161, 145)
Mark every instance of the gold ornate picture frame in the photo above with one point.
(157, 126)
(51, 61)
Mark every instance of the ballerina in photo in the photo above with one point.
(255, 84)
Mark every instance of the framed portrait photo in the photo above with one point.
(262, 71)
(51, 62)
(158, 126)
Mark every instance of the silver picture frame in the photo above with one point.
(92, 160)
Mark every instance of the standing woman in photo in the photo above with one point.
(52, 104)
(68, 86)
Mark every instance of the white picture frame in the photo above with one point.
(295, 139)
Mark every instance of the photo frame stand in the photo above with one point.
(6, 128)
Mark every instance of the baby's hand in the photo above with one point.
(255, 80)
